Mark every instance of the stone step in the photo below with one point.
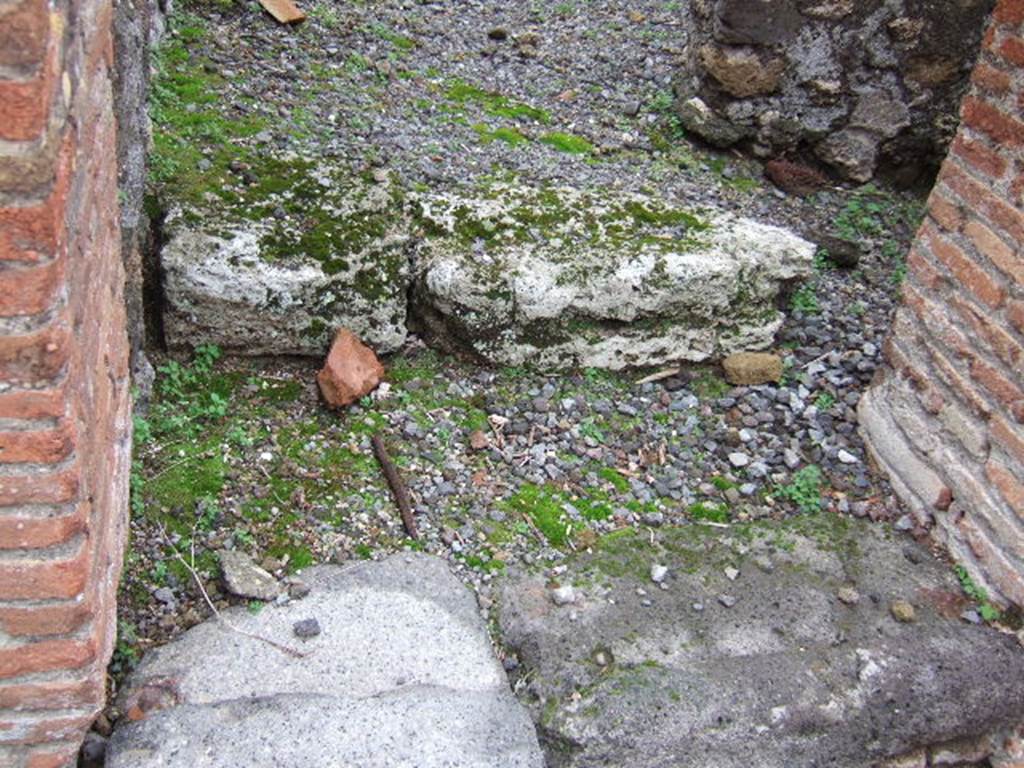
(556, 276)
(414, 726)
(401, 673)
(817, 642)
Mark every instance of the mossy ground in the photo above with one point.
(241, 453)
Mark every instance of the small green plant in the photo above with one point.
(824, 401)
(722, 483)
(805, 300)
(207, 510)
(804, 489)
(126, 650)
(708, 385)
(588, 428)
(137, 488)
(977, 593)
(714, 513)
(822, 262)
(326, 15)
(255, 606)
(661, 102)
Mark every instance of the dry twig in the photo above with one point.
(191, 568)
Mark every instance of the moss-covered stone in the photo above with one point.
(568, 277)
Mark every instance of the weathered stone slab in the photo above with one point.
(401, 673)
(772, 646)
(415, 726)
(276, 269)
(560, 277)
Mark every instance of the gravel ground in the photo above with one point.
(512, 466)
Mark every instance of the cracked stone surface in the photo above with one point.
(785, 672)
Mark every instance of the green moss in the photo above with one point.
(506, 134)
(620, 483)
(399, 41)
(582, 222)
(190, 128)
(568, 143)
(199, 474)
(544, 509)
(494, 103)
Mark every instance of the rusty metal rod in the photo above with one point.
(397, 485)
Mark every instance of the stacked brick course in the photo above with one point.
(946, 420)
(64, 404)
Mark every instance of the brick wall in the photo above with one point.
(946, 419)
(64, 404)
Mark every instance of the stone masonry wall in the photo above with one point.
(64, 403)
(946, 420)
(857, 85)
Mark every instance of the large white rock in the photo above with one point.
(402, 673)
(279, 267)
(562, 277)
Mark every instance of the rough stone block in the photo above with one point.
(560, 277)
(240, 275)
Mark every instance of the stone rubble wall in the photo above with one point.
(859, 86)
(946, 418)
(65, 426)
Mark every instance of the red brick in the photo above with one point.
(1008, 436)
(31, 579)
(962, 388)
(54, 756)
(25, 105)
(988, 78)
(24, 32)
(50, 729)
(46, 656)
(1009, 486)
(37, 446)
(971, 276)
(1017, 411)
(989, 244)
(32, 404)
(1015, 314)
(1012, 49)
(1009, 12)
(992, 379)
(983, 200)
(53, 487)
(980, 157)
(38, 621)
(990, 330)
(40, 532)
(921, 270)
(990, 120)
(31, 290)
(901, 363)
(988, 38)
(937, 322)
(33, 232)
(946, 213)
(68, 694)
(36, 357)
(1017, 187)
